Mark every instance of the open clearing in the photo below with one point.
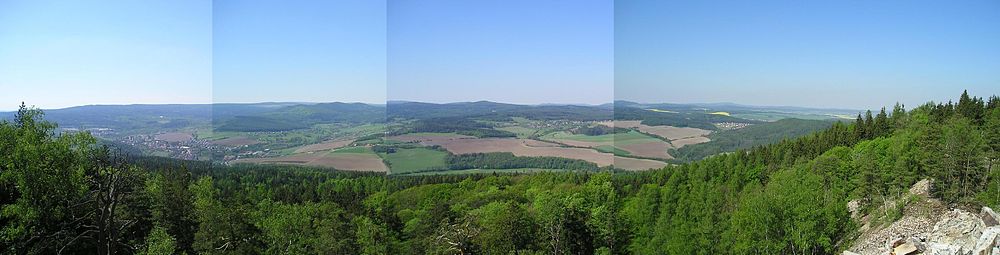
(326, 145)
(349, 161)
(236, 141)
(174, 137)
(415, 159)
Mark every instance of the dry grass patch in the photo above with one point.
(327, 145)
(638, 164)
(689, 141)
(657, 149)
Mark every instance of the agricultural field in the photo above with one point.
(666, 132)
(677, 136)
(348, 159)
(323, 146)
(405, 160)
(412, 136)
(637, 164)
(625, 144)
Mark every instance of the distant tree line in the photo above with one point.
(464, 126)
(507, 160)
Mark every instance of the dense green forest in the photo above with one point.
(463, 126)
(63, 194)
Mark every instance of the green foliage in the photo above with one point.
(507, 160)
(308, 228)
(159, 243)
(44, 176)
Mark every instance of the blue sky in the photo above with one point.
(846, 54)
(516, 51)
(57, 54)
(299, 51)
(852, 54)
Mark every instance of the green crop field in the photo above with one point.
(622, 138)
(415, 159)
(522, 132)
(634, 137)
(582, 138)
(613, 150)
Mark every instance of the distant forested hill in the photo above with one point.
(697, 119)
(299, 116)
(754, 135)
(496, 111)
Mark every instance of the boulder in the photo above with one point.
(854, 207)
(943, 249)
(959, 228)
(988, 241)
(919, 243)
(921, 188)
(906, 248)
(990, 218)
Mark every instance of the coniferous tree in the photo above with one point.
(869, 126)
(882, 125)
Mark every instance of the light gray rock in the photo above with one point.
(854, 207)
(921, 188)
(988, 241)
(958, 228)
(943, 249)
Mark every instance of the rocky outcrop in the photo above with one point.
(927, 227)
(957, 227)
(921, 188)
